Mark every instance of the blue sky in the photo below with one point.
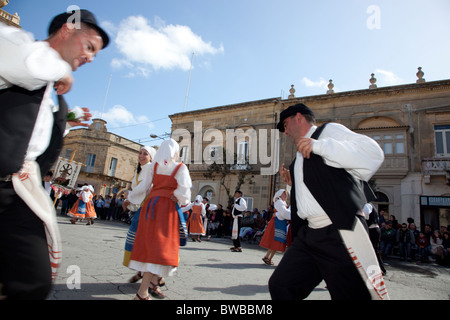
(244, 50)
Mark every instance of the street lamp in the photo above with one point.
(162, 137)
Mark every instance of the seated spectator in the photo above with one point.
(405, 239)
(247, 224)
(436, 246)
(387, 239)
(227, 222)
(423, 246)
(260, 222)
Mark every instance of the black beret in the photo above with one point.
(85, 16)
(292, 111)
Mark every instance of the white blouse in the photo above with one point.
(140, 186)
(282, 210)
(183, 190)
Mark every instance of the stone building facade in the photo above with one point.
(8, 18)
(109, 161)
(411, 123)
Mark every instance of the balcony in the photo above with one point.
(435, 167)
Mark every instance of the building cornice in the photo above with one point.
(411, 88)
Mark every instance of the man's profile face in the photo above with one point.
(79, 46)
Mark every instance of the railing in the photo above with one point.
(14, 18)
(436, 166)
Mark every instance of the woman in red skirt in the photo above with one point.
(195, 223)
(276, 236)
(157, 242)
(83, 207)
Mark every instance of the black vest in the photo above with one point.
(337, 192)
(20, 108)
(236, 212)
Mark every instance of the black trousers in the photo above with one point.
(237, 242)
(316, 255)
(374, 235)
(25, 271)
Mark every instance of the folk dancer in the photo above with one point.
(84, 206)
(330, 238)
(195, 222)
(157, 241)
(134, 199)
(140, 187)
(276, 236)
(31, 130)
(238, 208)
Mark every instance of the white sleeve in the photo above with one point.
(183, 190)
(27, 63)
(242, 206)
(85, 196)
(282, 211)
(203, 210)
(187, 207)
(140, 191)
(340, 147)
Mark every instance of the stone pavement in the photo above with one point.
(92, 270)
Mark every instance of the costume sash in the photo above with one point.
(28, 186)
(360, 249)
(183, 227)
(131, 234)
(280, 230)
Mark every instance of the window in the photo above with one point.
(67, 154)
(112, 167)
(184, 154)
(242, 153)
(90, 162)
(392, 144)
(442, 140)
(249, 201)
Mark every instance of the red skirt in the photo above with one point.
(157, 238)
(268, 240)
(195, 225)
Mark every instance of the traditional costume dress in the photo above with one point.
(140, 186)
(157, 239)
(84, 207)
(276, 234)
(195, 222)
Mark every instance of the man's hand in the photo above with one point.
(304, 146)
(86, 117)
(63, 85)
(285, 175)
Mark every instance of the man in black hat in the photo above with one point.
(329, 236)
(31, 135)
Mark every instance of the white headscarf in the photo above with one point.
(198, 199)
(278, 195)
(151, 151)
(167, 152)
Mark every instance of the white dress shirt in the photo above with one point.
(339, 147)
(31, 65)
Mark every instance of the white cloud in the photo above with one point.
(119, 116)
(322, 83)
(145, 48)
(388, 78)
